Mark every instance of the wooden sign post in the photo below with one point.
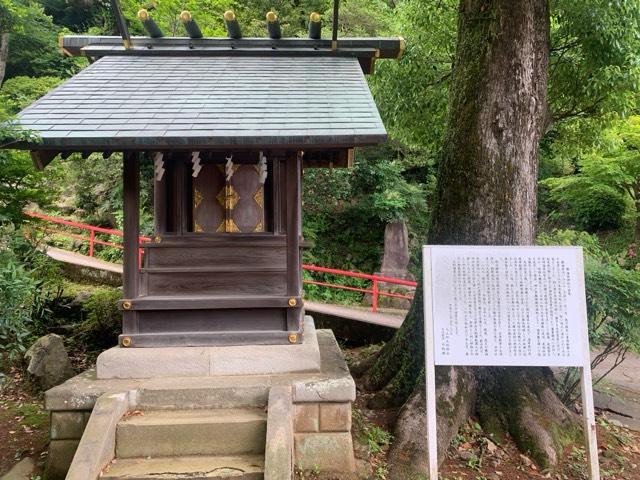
(506, 306)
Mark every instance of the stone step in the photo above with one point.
(244, 467)
(169, 433)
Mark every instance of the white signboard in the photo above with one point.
(506, 306)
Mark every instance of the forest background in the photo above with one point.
(589, 183)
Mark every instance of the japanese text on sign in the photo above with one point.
(502, 306)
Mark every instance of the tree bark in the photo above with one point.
(486, 195)
(4, 54)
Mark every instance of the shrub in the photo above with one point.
(590, 207)
(613, 304)
(103, 321)
(28, 282)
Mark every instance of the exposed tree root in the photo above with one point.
(520, 402)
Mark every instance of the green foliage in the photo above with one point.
(591, 206)
(20, 183)
(594, 72)
(28, 283)
(346, 211)
(19, 92)
(412, 93)
(612, 302)
(78, 15)
(103, 322)
(33, 49)
(605, 183)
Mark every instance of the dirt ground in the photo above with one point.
(24, 432)
(473, 456)
(24, 424)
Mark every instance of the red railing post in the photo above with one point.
(374, 297)
(92, 237)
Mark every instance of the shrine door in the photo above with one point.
(229, 198)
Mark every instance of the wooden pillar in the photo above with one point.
(182, 195)
(131, 206)
(160, 205)
(294, 267)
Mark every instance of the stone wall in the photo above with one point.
(66, 430)
(322, 437)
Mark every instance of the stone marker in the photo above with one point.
(395, 264)
(48, 361)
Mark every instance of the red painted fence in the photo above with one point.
(93, 240)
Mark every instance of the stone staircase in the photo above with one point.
(190, 444)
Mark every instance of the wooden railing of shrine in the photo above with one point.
(93, 238)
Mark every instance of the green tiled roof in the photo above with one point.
(147, 102)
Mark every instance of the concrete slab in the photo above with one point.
(279, 445)
(97, 446)
(332, 383)
(82, 391)
(21, 470)
(123, 363)
(246, 467)
(192, 432)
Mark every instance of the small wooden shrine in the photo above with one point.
(229, 124)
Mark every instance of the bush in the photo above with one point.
(103, 322)
(613, 303)
(18, 292)
(28, 283)
(590, 207)
(599, 208)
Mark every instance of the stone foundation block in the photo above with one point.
(68, 425)
(307, 418)
(61, 454)
(335, 417)
(326, 452)
(238, 360)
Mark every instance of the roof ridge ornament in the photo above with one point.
(190, 24)
(315, 26)
(233, 27)
(273, 25)
(149, 24)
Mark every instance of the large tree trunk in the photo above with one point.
(486, 195)
(4, 54)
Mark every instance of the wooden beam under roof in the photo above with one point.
(382, 47)
(42, 158)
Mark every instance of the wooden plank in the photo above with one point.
(131, 207)
(212, 320)
(347, 313)
(42, 158)
(234, 283)
(216, 269)
(200, 240)
(197, 302)
(388, 47)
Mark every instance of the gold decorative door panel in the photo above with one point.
(228, 199)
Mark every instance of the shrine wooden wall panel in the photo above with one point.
(208, 283)
(225, 320)
(235, 256)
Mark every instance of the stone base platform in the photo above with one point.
(319, 402)
(119, 362)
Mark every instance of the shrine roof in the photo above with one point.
(142, 102)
